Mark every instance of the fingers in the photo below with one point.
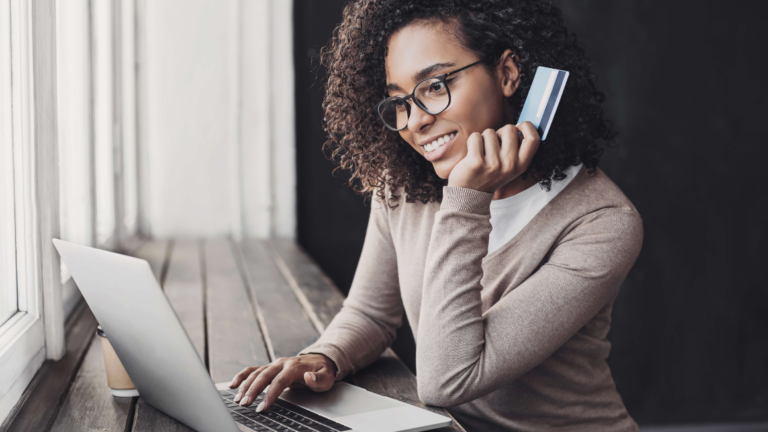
(491, 146)
(245, 378)
(530, 144)
(315, 372)
(509, 145)
(282, 381)
(258, 382)
(319, 381)
(475, 149)
(240, 377)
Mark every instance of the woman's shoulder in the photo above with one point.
(592, 191)
(593, 205)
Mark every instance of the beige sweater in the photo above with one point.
(515, 340)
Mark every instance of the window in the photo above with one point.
(8, 290)
(103, 119)
(22, 330)
(67, 165)
(97, 127)
(74, 133)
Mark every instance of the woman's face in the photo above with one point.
(477, 98)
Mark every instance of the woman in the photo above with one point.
(505, 253)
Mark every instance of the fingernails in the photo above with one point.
(260, 408)
(309, 376)
(245, 400)
(237, 397)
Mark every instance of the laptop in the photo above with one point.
(158, 355)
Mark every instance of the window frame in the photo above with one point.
(30, 334)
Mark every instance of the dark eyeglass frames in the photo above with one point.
(430, 94)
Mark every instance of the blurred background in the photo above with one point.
(203, 119)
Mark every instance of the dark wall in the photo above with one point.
(331, 218)
(685, 86)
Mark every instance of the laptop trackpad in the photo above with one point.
(340, 401)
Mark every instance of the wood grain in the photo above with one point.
(155, 252)
(298, 268)
(41, 400)
(149, 419)
(288, 324)
(90, 405)
(234, 338)
(184, 288)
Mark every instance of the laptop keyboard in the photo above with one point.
(282, 416)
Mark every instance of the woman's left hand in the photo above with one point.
(488, 165)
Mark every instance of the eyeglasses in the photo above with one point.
(431, 95)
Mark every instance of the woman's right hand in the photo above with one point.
(314, 371)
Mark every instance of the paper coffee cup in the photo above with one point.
(117, 378)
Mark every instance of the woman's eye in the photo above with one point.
(437, 86)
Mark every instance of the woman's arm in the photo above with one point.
(462, 354)
(373, 310)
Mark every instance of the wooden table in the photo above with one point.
(242, 304)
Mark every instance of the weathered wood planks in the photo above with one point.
(41, 401)
(90, 405)
(234, 338)
(184, 288)
(156, 252)
(312, 287)
(289, 328)
(149, 419)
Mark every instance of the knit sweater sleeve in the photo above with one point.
(372, 312)
(463, 353)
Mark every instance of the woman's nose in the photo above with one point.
(419, 119)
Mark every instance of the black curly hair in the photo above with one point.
(533, 29)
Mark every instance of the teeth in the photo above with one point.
(438, 142)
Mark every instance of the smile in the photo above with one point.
(429, 147)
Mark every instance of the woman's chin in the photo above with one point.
(442, 170)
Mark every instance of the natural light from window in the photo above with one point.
(8, 290)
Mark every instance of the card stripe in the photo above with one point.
(554, 97)
(547, 93)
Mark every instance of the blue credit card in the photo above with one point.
(543, 98)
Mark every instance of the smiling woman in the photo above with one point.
(421, 105)
(376, 38)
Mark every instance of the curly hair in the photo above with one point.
(533, 29)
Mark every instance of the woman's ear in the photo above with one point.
(510, 74)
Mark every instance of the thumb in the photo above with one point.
(319, 381)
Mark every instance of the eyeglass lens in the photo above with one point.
(432, 94)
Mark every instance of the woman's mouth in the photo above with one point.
(437, 148)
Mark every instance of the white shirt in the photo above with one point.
(510, 215)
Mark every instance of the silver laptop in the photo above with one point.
(158, 355)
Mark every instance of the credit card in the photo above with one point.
(543, 98)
